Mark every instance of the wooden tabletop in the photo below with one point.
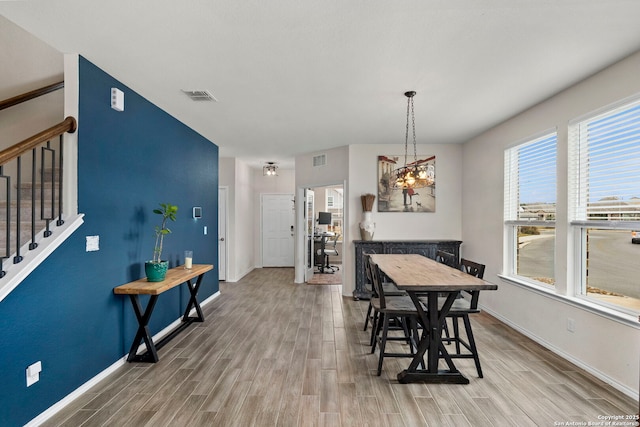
(412, 272)
(175, 276)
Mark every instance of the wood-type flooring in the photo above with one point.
(275, 353)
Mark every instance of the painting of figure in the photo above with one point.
(406, 186)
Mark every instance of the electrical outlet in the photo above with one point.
(571, 324)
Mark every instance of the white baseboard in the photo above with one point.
(51, 411)
(599, 374)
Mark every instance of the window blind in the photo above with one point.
(605, 154)
(530, 180)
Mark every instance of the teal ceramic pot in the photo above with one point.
(156, 271)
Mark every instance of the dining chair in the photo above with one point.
(393, 312)
(447, 258)
(461, 309)
(390, 289)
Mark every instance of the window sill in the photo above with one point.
(582, 303)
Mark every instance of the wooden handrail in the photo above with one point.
(67, 125)
(30, 95)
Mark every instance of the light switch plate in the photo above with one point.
(93, 243)
(33, 373)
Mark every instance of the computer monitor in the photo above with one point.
(324, 218)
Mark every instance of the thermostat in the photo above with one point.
(197, 212)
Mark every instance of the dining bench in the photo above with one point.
(175, 276)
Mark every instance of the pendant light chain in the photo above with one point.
(406, 134)
(413, 122)
(414, 175)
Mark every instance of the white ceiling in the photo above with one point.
(294, 76)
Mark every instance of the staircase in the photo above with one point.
(32, 222)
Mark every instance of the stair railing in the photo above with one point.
(50, 156)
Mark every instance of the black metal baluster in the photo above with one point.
(50, 217)
(60, 220)
(33, 243)
(17, 258)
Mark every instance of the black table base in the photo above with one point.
(151, 354)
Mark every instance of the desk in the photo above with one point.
(419, 275)
(175, 277)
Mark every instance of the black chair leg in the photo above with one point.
(366, 319)
(383, 343)
(375, 330)
(472, 344)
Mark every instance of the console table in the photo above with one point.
(426, 248)
(175, 276)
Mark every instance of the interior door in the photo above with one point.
(278, 221)
(222, 233)
(308, 233)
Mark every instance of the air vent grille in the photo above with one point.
(200, 95)
(320, 160)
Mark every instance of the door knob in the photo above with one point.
(222, 239)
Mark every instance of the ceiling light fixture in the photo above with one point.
(415, 174)
(270, 169)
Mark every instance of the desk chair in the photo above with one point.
(461, 308)
(327, 249)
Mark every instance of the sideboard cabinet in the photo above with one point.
(426, 248)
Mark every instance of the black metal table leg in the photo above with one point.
(151, 355)
(193, 302)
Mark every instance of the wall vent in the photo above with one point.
(200, 95)
(320, 160)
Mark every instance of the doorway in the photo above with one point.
(222, 232)
(325, 219)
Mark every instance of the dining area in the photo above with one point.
(414, 296)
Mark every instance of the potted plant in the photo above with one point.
(156, 269)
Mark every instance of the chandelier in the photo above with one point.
(416, 174)
(270, 169)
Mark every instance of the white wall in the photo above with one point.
(238, 176)
(607, 348)
(28, 64)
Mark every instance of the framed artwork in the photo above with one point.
(396, 195)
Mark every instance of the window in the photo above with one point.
(530, 210)
(604, 205)
(330, 202)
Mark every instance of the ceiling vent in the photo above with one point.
(200, 95)
(320, 160)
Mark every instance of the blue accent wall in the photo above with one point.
(65, 313)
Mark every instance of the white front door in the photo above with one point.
(277, 230)
(222, 233)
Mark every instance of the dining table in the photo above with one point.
(423, 277)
